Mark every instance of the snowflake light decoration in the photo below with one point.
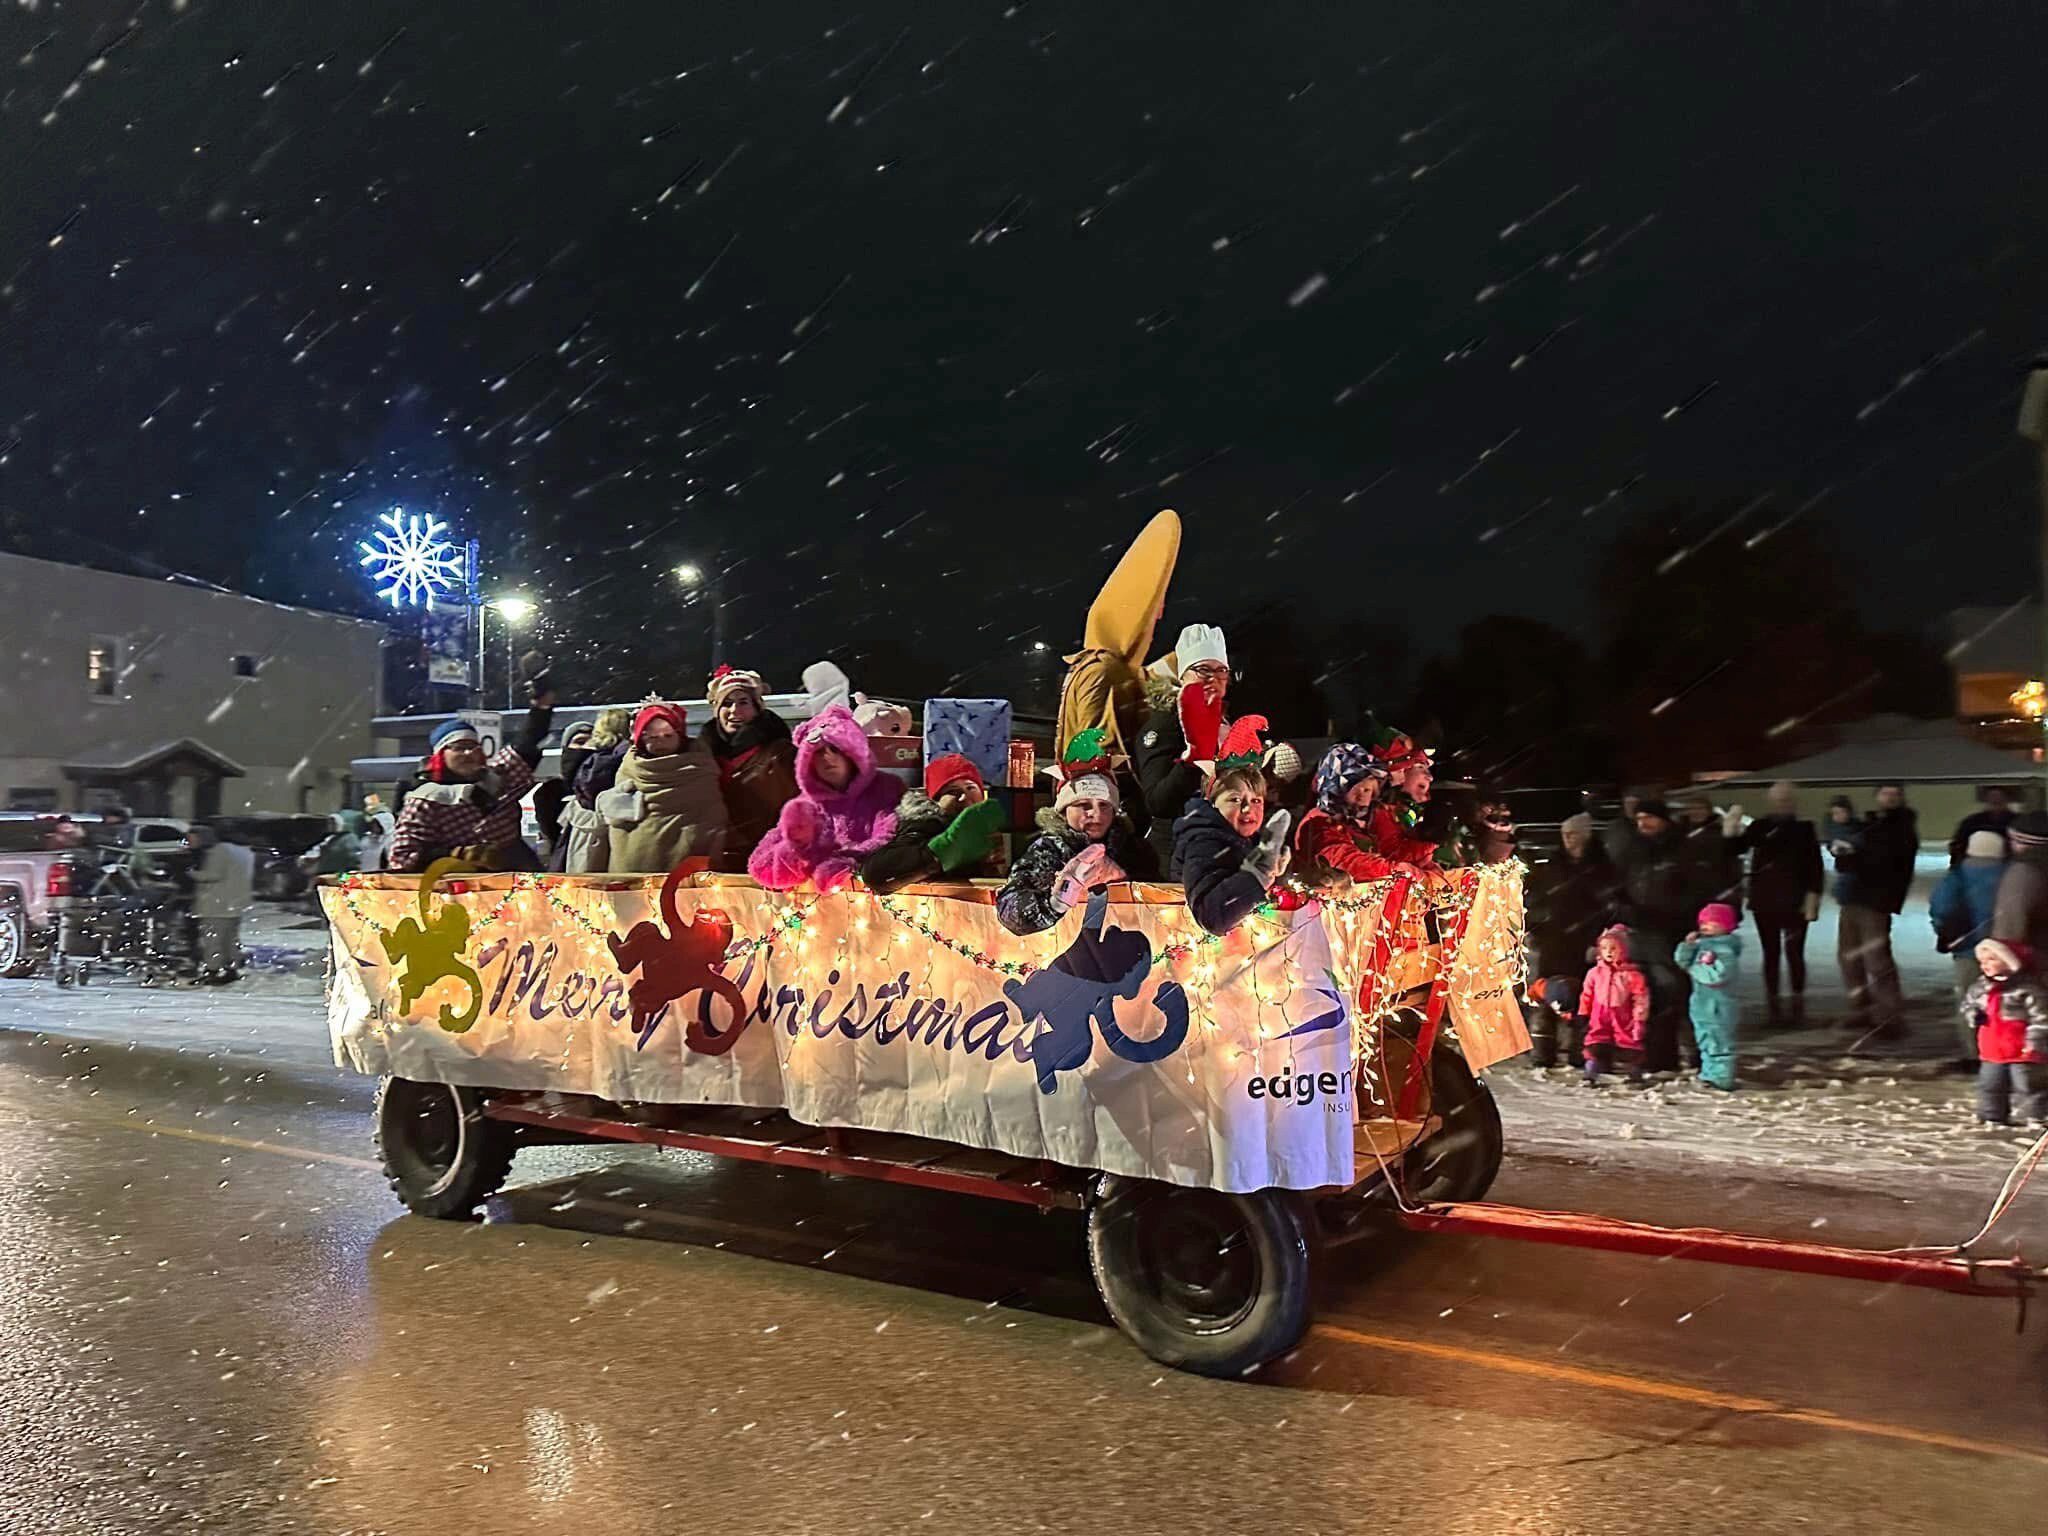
(413, 560)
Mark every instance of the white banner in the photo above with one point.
(1125, 1040)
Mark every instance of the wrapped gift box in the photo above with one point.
(1023, 764)
(978, 729)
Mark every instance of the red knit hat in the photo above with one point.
(649, 713)
(941, 771)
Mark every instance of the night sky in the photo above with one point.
(905, 317)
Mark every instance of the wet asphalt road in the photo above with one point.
(213, 1316)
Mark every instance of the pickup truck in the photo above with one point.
(28, 855)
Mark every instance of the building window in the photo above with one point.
(103, 659)
(245, 666)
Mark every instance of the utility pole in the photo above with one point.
(2034, 427)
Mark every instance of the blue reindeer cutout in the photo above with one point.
(1081, 989)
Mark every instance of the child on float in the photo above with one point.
(1226, 852)
(1083, 843)
(1614, 1000)
(1338, 843)
(945, 831)
(664, 805)
(1712, 956)
(1395, 826)
(2008, 1007)
(845, 809)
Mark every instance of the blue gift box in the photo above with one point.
(978, 729)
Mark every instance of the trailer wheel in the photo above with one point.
(1209, 1282)
(441, 1156)
(1462, 1159)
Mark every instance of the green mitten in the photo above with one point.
(970, 837)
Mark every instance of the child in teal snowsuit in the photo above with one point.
(1712, 956)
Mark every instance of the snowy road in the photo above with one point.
(214, 1315)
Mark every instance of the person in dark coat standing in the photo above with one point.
(1873, 871)
(2021, 913)
(1785, 884)
(1997, 815)
(1714, 869)
(1184, 732)
(1657, 881)
(1571, 901)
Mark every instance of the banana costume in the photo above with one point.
(1105, 684)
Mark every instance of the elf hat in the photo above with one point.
(452, 730)
(727, 681)
(1241, 747)
(1398, 752)
(1199, 643)
(1083, 771)
(950, 769)
(649, 713)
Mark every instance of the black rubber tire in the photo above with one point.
(1460, 1161)
(1140, 1237)
(442, 1157)
(17, 953)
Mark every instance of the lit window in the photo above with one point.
(103, 667)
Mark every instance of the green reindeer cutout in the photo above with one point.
(430, 949)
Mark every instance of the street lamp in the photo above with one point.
(517, 612)
(699, 580)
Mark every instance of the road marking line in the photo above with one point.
(212, 1138)
(1513, 1365)
(1674, 1391)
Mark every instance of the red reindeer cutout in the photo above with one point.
(679, 960)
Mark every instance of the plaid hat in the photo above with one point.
(452, 730)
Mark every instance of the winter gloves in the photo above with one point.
(1268, 859)
(1091, 867)
(969, 837)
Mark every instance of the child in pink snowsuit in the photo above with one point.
(1615, 1003)
(844, 810)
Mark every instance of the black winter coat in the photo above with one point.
(1657, 882)
(1880, 871)
(1986, 820)
(1208, 858)
(1784, 865)
(1714, 871)
(1025, 904)
(1165, 783)
(1570, 901)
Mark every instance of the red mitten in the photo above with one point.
(1201, 722)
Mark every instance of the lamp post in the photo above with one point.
(516, 612)
(698, 580)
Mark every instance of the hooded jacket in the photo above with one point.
(1105, 682)
(823, 833)
(662, 810)
(1964, 905)
(1025, 904)
(1208, 859)
(1614, 1000)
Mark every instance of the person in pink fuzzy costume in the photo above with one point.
(844, 810)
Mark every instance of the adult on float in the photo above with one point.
(665, 805)
(591, 755)
(945, 831)
(1177, 750)
(1104, 689)
(469, 807)
(756, 760)
(845, 809)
